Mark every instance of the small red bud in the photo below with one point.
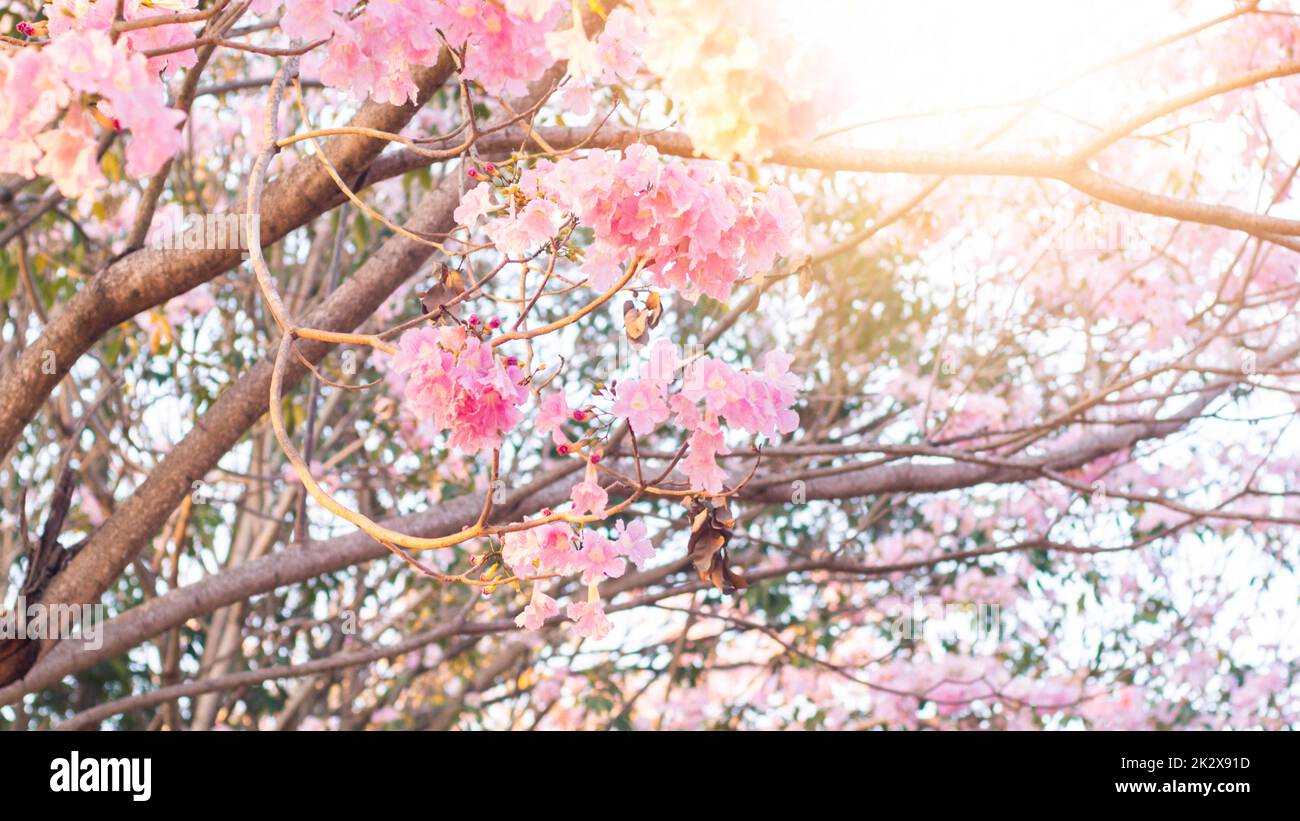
(473, 320)
(595, 458)
(472, 173)
(490, 168)
(546, 511)
(512, 361)
(563, 450)
(494, 323)
(25, 28)
(580, 415)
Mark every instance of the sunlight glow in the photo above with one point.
(924, 56)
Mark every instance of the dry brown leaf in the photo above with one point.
(635, 322)
(712, 526)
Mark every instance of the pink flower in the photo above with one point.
(535, 224)
(73, 15)
(776, 368)
(161, 36)
(700, 464)
(506, 49)
(572, 44)
(312, 19)
(633, 543)
(557, 551)
(347, 64)
(540, 608)
(590, 618)
(554, 413)
(598, 559)
(589, 497)
(548, 548)
(476, 204)
(459, 384)
(620, 44)
(602, 267)
(519, 549)
(69, 160)
(82, 59)
(761, 403)
(575, 98)
(702, 227)
(641, 403)
(688, 415)
(374, 51)
(713, 382)
(153, 142)
(87, 60)
(18, 157)
(539, 220)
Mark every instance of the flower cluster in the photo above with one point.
(760, 403)
(87, 15)
(612, 56)
(713, 394)
(372, 53)
(86, 76)
(456, 381)
(696, 225)
(555, 548)
(747, 85)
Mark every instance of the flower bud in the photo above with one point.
(29, 29)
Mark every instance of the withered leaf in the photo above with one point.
(805, 279)
(655, 306)
(449, 286)
(634, 322)
(712, 526)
